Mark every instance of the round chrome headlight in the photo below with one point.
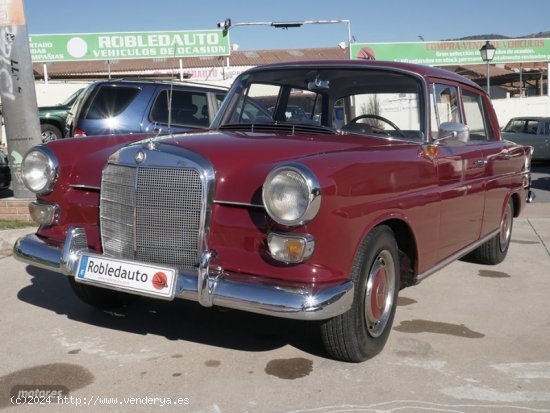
(291, 195)
(39, 170)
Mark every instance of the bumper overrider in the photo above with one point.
(204, 286)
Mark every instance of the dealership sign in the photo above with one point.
(114, 46)
(454, 52)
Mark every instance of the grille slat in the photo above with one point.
(152, 214)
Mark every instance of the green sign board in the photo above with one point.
(114, 46)
(459, 52)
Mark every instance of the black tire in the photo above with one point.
(494, 251)
(50, 132)
(101, 298)
(361, 332)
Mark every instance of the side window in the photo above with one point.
(532, 126)
(515, 126)
(110, 101)
(188, 108)
(444, 106)
(476, 116)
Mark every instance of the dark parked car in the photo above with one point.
(52, 118)
(533, 131)
(130, 106)
(303, 219)
(5, 174)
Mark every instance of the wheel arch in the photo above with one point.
(54, 122)
(406, 245)
(516, 203)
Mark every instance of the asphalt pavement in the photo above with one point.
(470, 338)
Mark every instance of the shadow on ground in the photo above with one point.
(175, 320)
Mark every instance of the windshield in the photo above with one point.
(70, 100)
(344, 100)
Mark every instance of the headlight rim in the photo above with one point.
(53, 169)
(313, 189)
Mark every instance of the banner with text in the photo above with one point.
(113, 46)
(454, 52)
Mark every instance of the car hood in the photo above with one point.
(241, 160)
(45, 110)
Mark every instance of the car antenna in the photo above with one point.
(170, 108)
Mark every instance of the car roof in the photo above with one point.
(134, 81)
(424, 71)
(530, 118)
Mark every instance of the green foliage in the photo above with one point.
(5, 224)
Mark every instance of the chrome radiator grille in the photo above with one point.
(151, 214)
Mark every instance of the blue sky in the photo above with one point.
(371, 21)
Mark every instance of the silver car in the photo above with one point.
(530, 130)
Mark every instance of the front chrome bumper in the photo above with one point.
(204, 287)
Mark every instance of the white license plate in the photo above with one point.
(131, 276)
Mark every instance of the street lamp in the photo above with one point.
(487, 54)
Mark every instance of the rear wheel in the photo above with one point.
(494, 251)
(101, 297)
(361, 332)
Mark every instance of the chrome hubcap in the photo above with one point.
(48, 136)
(506, 228)
(379, 293)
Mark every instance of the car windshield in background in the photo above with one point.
(365, 102)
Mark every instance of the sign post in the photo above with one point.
(17, 91)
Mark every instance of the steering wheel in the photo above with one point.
(377, 117)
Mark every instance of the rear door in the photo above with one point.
(461, 171)
(501, 158)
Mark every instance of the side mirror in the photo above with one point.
(453, 131)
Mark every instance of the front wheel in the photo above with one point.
(361, 332)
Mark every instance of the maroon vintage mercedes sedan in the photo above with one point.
(320, 191)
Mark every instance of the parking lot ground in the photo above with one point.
(470, 338)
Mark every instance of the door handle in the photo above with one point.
(506, 156)
(480, 163)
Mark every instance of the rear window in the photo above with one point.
(109, 101)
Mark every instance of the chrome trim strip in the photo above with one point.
(262, 298)
(87, 187)
(454, 257)
(239, 204)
